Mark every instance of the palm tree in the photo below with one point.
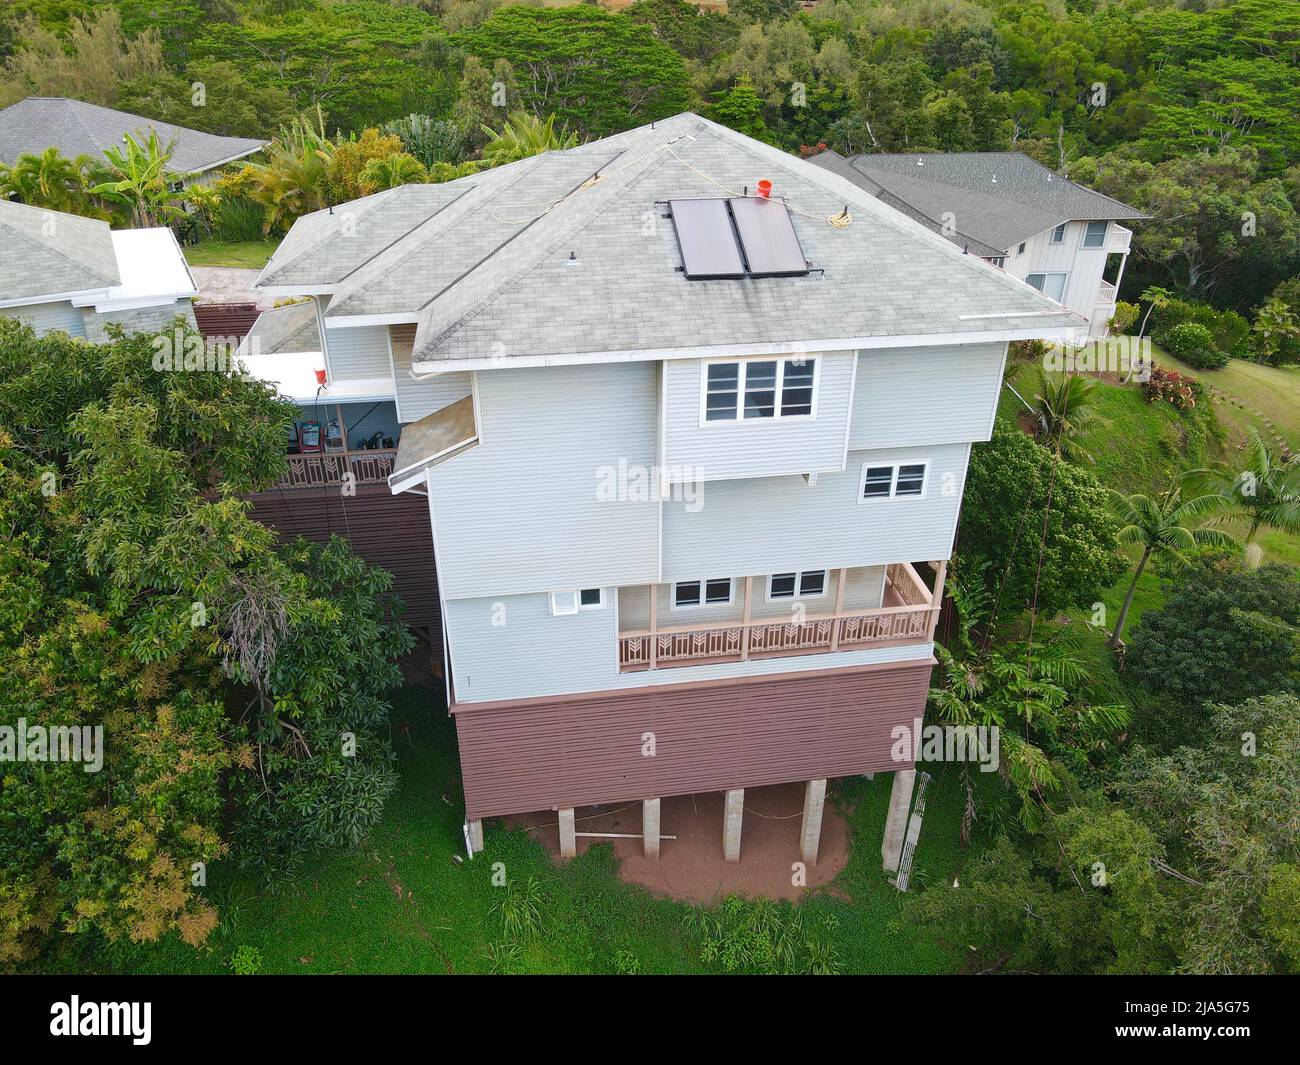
(524, 135)
(1265, 492)
(1063, 410)
(392, 171)
(138, 181)
(1166, 528)
(49, 180)
(293, 180)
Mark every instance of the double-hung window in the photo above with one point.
(1095, 236)
(711, 591)
(1048, 284)
(759, 388)
(802, 584)
(894, 481)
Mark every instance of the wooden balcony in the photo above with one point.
(329, 467)
(908, 616)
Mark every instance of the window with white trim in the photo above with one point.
(1095, 236)
(710, 591)
(570, 602)
(898, 480)
(759, 388)
(1048, 284)
(1058, 234)
(801, 584)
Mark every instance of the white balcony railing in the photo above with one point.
(370, 466)
(910, 618)
(1120, 238)
(1106, 294)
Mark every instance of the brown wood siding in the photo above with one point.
(581, 750)
(388, 530)
(225, 319)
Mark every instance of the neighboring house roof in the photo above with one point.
(75, 128)
(226, 319)
(50, 255)
(993, 200)
(48, 252)
(289, 328)
(570, 254)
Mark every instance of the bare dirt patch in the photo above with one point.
(691, 867)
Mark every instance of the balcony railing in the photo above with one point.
(1106, 294)
(329, 467)
(910, 618)
(1120, 238)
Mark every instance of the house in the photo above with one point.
(1062, 238)
(76, 128)
(690, 419)
(63, 271)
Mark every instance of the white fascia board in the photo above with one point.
(79, 298)
(733, 351)
(355, 321)
(222, 162)
(160, 300)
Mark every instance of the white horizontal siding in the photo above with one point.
(513, 648)
(782, 523)
(416, 399)
(936, 395)
(758, 447)
(523, 510)
(47, 317)
(358, 353)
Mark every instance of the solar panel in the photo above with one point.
(706, 239)
(767, 237)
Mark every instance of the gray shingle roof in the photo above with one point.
(77, 128)
(48, 252)
(996, 199)
(543, 258)
(285, 329)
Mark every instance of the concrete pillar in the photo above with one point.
(814, 801)
(650, 827)
(733, 812)
(568, 841)
(476, 836)
(900, 805)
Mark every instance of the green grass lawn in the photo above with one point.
(249, 254)
(400, 904)
(1252, 396)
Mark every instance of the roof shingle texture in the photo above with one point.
(992, 200)
(48, 252)
(76, 128)
(572, 253)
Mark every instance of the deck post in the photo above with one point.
(653, 656)
(744, 625)
(732, 815)
(900, 804)
(841, 578)
(810, 834)
(650, 826)
(476, 836)
(936, 598)
(568, 841)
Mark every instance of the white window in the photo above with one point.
(894, 480)
(1095, 237)
(711, 591)
(564, 603)
(1020, 250)
(758, 388)
(1058, 234)
(1048, 284)
(802, 584)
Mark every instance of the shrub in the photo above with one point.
(1169, 386)
(1229, 331)
(246, 961)
(1192, 342)
(1124, 317)
(238, 218)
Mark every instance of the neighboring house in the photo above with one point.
(63, 271)
(31, 126)
(1060, 237)
(693, 459)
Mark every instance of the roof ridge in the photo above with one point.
(53, 249)
(49, 249)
